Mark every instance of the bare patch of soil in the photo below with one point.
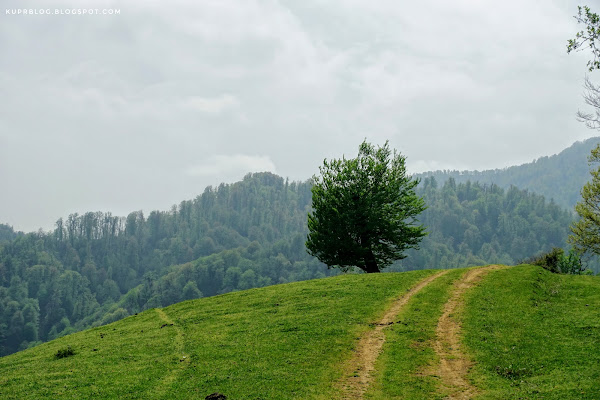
(359, 369)
(454, 364)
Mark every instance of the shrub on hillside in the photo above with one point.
(571, 263)
(548, 260)
(558, 262)
(66, 352)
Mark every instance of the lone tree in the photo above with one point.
(364, 211)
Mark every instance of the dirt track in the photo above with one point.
(454, 364)
(359, 369)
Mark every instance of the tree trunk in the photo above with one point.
(371, 263)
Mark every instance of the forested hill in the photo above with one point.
(7, 233)
(476, 224)
(96, 268)
(88, 269)
(558, 177)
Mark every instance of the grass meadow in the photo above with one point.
(532, 334)
(535, 335)
(279, 342)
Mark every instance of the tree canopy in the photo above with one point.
(364, 210)
(584, 236)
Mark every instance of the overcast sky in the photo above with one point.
(145, 107)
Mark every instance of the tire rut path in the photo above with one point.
(179, 354)
(454, 364)
(358, 371)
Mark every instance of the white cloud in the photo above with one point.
(214, 105)
(134, 101)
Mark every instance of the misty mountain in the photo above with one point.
(559, 177)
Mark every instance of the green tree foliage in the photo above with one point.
(474, 224)
(7, 233)
(585, 233)
(558, 262)
(588, 37)
(364, 211)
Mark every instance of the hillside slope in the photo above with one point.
(291, 342)
(559, 177)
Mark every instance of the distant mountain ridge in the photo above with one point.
(559, 177)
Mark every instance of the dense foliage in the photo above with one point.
(96, 268)
(559, 262)
(474, 224)
(364, 211)
(7, 233)
(558, 177)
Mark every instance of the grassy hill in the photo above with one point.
(529, 334)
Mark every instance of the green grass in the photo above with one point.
(407, 352)
(279, 342)
(124, 359)
(535, 335)
(532, 335)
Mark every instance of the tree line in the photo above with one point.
(95, 268)
(475, 224)
(558, 177)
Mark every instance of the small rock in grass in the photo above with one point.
(215, 396)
